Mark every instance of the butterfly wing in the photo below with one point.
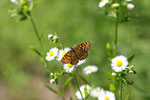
(74, 61)
(82, 50)
(70, 57)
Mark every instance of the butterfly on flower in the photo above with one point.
(77, 53)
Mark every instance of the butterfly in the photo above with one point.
(77, 53)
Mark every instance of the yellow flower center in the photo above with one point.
(63, 54)
(119, 63)
(51, 53)
(97, 93)
(106, 98)
(102, 1)
(89, 69)
(69, 65)
(83, 92)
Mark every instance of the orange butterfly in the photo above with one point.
(77, 53)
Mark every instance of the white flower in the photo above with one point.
(62, 53)
(115, 5)
(89, 69)
(107, 95)
(15, 1)
(96, 92)
(81, 62)
(103, 3)
(52, 54)
(85, 90)
(119, 63)
(69, 68)
(130, 6)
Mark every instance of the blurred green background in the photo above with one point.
(75, 21)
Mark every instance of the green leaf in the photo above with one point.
(36, 3)
(131, 57)
(66, 83)
(35, 50)
(106, 72)
(127, 97)
(112, 87)
(50, 88)
(23, 18)
(83, 79)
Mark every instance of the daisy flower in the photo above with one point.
(103, 3)
(69, 67)
(96, 92)
(62, 53)
(52, 54)
(130, 6)
(107, 95)
(89, 69)
(85, 90)
(119, 63)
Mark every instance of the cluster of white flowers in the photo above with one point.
(129, 5)
(97, 92)
(58, 54)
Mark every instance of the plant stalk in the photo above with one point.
(116, 31)
(77, 83)
(120, 88)
(36, 31)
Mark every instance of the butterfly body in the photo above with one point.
(77, 53)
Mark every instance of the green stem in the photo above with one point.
(61, 93)
(120, 88)
(116, 31)
(77, 83)
(36, 31)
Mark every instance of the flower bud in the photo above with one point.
(50, 36)
(52, 81)
(131, 72)
(130, 6)
(115, 5)
(55, 39)
(51, 74)
(108, 46)
(113, 74)
(26, 8)
(131, 66)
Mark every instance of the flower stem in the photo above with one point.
(61, 93)
(77, 83)
(120, 88)
(116, 31)
(36, 31)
